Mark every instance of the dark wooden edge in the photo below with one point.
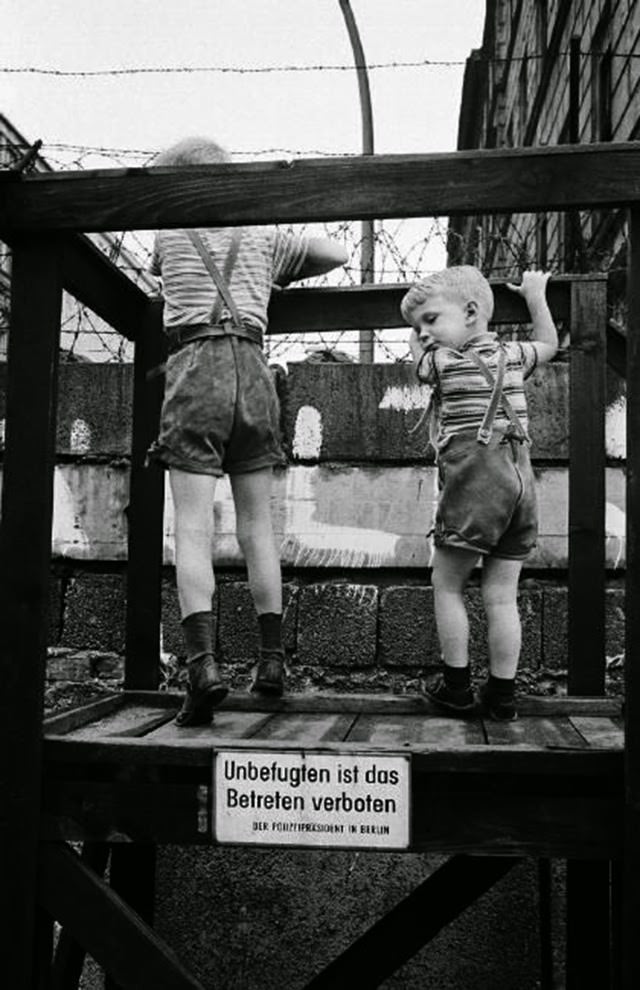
(468, 759)
(105, 925)
(367, 187)
(380, 704)
(77, 717)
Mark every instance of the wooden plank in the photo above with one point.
(631, 882)
(68, 961)
(146, 511)
(586, 622)
(377, 307)
(409, 730)
(368, 187)
(115, 935)
(226, 724)
(378, 703)
(400, 933)
(132, 876)
(25, 549)
(588, 925)
(305, 729)
(538, 732)
(600, 732)
(66, 721)
(128, 721)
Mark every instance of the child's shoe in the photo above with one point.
(205, 690)
(268, 677)
(457, 701)
(501, 708)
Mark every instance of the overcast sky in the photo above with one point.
(415, 109)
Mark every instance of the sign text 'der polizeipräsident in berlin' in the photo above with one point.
(311, 799)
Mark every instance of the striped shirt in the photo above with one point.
(461, 391)
(266, 257)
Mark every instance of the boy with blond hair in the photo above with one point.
(487, 503)
(221, 415)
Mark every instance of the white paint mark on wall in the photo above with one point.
(80, 437)
(616, 428)
(404, 398)
(2, 428)
(307, 436)
(615, 529)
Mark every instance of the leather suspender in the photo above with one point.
(497, 398)
(221, 281)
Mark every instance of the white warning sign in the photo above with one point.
(293, 798)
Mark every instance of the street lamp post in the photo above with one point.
(367, 250)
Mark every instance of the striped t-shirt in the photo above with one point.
(266, 256)
(462, 392)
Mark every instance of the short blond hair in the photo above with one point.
(460, 283)
(193, 151)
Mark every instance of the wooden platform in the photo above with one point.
(550, 784)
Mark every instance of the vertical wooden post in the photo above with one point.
(146, 504)
(587, 487)
(588, 943)
(631, 872)
(132, 876)
(25, 551)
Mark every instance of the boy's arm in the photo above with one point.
(321, 256)
(544, 334)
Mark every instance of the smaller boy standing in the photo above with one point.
(487, 503)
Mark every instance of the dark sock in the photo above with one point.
(457, 678)
(501, 687)
(270, 630)
(197, 630)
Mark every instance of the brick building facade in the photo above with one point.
(550, 72)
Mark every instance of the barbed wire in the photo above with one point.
(241, 70)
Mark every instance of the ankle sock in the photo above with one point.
(501, 687)
(457, 678)
(197, 630)
(270, 630)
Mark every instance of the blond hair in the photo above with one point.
(193, 151)
(460, 283)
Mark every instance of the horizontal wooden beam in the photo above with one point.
(96, 282)
(367, 187)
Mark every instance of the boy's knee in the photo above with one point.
(496, 594)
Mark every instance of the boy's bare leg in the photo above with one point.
(193, 496)
(451, 570)
(252, 497)
(500, 598)
(254, 528)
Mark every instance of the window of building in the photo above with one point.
(601, 79)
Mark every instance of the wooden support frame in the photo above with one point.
(25, 549)
(397, 937)
(112, 933)
(365, 187)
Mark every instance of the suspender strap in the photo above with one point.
(221, 280)
(497, 398)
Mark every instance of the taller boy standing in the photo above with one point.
(220, 414)
(487, 503)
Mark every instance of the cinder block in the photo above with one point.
(238, 631)
(556, 624)
(407, 628)
(530, 606)
(73, 666)
(94, 613)
(337, 625)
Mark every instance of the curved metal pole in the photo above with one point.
(367, 251)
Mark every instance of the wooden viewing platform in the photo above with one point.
(120, 777)
(555, 776)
